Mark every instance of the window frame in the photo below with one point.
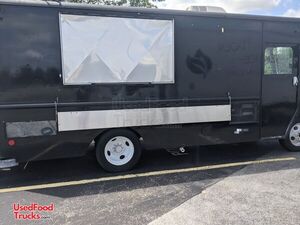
(295, 66)
(173, 75)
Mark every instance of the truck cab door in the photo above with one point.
(279, 87)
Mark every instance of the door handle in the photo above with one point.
(295, 81)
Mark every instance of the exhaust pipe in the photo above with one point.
(182, 150)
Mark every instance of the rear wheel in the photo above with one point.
(292, 140)
(118, 150)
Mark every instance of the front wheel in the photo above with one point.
(118, 150)
(292, 139)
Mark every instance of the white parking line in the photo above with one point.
(147, 174)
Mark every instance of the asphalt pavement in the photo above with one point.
(228, 184)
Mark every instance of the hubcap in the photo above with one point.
(119, 150)
(295, 135)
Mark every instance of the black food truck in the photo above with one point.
(129, 79)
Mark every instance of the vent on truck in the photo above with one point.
(213, 9)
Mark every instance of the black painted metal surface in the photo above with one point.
(214, 55)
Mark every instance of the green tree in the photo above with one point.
(135, 3)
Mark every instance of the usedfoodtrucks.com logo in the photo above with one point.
(34, 211)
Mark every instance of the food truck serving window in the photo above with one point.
(98, 49)
(279, 60)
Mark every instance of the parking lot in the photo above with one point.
(228, 184)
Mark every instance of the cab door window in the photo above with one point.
(279, 61)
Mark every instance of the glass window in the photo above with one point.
(279, 60)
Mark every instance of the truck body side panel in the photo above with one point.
(217, 62)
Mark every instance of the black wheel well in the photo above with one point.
(107, 130)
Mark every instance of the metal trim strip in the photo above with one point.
(31, 129)
(86, 120)
(198, 101)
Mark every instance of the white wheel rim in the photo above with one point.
(119, 150)
(295, 135)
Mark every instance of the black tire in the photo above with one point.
(287, 142)
(108, 137)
